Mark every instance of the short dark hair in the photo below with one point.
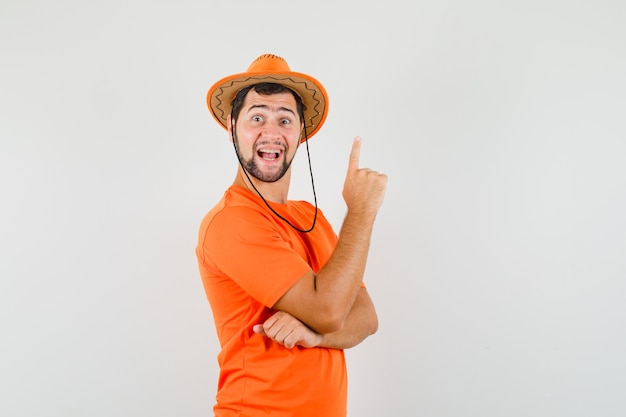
(264, 89)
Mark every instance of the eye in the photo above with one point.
(285, 121)
(257, 118)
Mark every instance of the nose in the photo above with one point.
(271, 131)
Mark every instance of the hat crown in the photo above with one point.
(268, 63)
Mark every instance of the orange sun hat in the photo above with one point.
(271, 69)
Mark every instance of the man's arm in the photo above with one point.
(361, 322)
(324, 300)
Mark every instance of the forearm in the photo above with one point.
(339, 281)
(361, 322)
(287, 330)
(322, 301)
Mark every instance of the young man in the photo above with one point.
(286, 293)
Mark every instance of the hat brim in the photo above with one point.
(311, 91)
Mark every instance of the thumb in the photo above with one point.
(258, 328)
(355, 154)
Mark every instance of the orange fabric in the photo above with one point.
(248, 258)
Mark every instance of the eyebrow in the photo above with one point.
(266, 107)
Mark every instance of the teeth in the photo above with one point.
(269, 151)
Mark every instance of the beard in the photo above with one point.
(251, 166)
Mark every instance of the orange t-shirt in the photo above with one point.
(248, 258)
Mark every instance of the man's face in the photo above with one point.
(267, 134)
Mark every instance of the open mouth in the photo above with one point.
(269, 154)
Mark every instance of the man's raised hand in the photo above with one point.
(364, 189)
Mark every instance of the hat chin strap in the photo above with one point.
(245, 171)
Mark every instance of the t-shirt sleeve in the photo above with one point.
(244, 245)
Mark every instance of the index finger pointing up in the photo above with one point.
(355, 153)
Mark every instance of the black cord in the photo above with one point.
(263, 198)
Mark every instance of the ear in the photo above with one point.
(229, 126)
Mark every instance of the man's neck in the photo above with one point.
(276, 192)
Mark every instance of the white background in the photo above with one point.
(498, 259)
